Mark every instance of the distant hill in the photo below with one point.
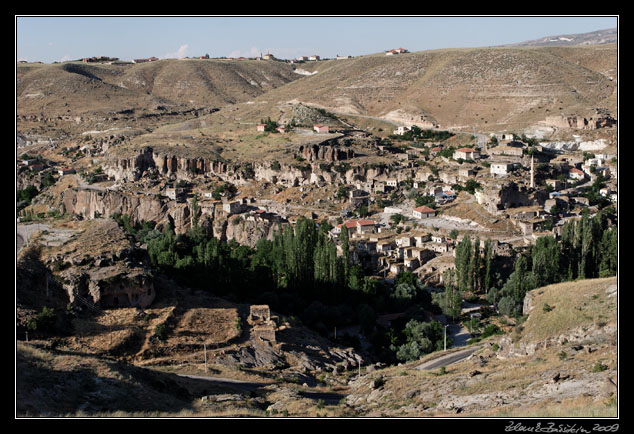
(607, 36)
(489, 89)
(74, 88)
(486, 88)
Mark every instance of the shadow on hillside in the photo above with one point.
(95, 386)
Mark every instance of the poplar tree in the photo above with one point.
(545, 259)
(463, 264)
(488, 252)
(345, 251)
(475, 266)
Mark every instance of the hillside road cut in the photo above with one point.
(448, 359)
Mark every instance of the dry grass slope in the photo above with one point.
(484, 87)
(75, 88)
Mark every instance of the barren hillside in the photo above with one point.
(486, 88)
(75, 88)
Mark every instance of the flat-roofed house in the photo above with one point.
(385, 246)
(500, 169)
(393, 183)
(466, 154)
(411, 263)
(405, 241)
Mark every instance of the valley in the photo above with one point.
(427, 234)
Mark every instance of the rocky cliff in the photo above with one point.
(319, 169)
(91, 204)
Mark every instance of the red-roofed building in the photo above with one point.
(321, 128)
(423, 212)
(466, 154)
(576, 174)
(261, 127)
(364, 226)
(351, 225)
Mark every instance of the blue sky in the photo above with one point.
(59, 38)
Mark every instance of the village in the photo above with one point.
(294, 233)
(406, 219)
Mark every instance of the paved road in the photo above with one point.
(459, 334)
(24, 232)
(448, 359)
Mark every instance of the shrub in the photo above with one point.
(43, 321)
(160, 331)
(491, 330)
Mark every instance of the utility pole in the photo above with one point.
(446, 336)
(205, 346)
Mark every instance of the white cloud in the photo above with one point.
(253, 52)
(179, 54)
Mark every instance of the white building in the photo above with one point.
(501, 169)
(423, 212)
(401, 130)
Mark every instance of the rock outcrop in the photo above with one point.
(326, 153)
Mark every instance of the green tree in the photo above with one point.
(345, 251)
(488, 253)
(545, 259)
(464, 263)
(450, 300)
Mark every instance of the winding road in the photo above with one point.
(448, 359)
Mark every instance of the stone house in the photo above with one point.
(234, 207)
(411, 263)
(365, 226)
(405, 241)
(385, 246)
(465, 172)
(466, 154)
(422, 239)
(555, 184)
(393, 183)
(397, 268)
(262, 326)
(174, 193)
(501, 169)
(506, 150)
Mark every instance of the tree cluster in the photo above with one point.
(588, 249)
(298, 273)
